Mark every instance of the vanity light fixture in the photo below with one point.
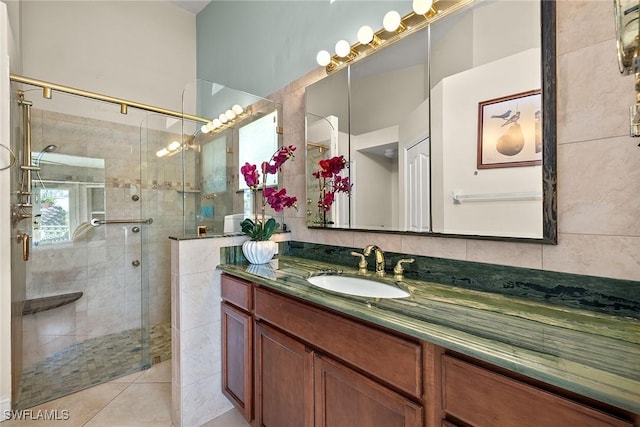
(224, 120)
(229, 114)
(423, 7)
(394, 28)
(392, 22)
(163, 152)
(343, 48)
(171, 149)
(367, 36)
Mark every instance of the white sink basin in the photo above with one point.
(357, 286)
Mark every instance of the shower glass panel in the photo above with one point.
(88, 311)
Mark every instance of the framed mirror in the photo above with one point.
(452, 128)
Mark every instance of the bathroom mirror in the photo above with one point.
(443, 127)
(243, 128)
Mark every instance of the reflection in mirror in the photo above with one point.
(243, 128)
(422, 157)
(327, 133)
(389, 148)
(487, 177)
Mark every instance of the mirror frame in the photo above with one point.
(549, 158)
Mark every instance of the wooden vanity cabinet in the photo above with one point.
(474, 396)
(321, 369)
(287, 362)
(237, 343)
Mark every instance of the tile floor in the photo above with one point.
(140, 399)
(90, 362)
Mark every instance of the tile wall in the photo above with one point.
(598, 164)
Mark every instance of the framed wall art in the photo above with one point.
(510, 131)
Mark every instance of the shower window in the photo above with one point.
(53, 224)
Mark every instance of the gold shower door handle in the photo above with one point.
(24, 238)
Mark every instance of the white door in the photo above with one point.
(417, 186)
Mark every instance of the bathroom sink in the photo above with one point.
(357, 286)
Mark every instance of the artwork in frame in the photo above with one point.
(510, 131)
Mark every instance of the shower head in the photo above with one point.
(48, 149)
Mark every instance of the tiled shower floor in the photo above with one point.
(89, 363)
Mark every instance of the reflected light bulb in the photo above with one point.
(323, 58)
(391, 21)
(237, 109)
(230, 114)
(223, 118)
(421, 7)
(343, 48)
(174, 146)
(216, 123)
(205, 128)
(365, 35)
(162, 153)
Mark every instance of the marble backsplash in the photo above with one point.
(604, 295)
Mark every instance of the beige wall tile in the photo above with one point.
(607, 256)
(597, 191)
(293, 110)
(593, 98)
(434, 246)
(583, 23)
(505, 253)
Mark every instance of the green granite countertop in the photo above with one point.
(593, 354)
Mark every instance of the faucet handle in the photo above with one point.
(362, 264)
(398, 270)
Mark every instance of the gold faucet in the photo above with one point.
(379, 258)
(398, 270)
(362, 264)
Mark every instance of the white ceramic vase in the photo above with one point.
(259, 251)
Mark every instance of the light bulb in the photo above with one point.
(216, 123)
(391, 21)
(343, 48)
(174, 146)
(223, 118)
(237, 109)
(421, 7)
(365, 34)
(162, 153)
(205, 128)
(323, 58)
(230, 114)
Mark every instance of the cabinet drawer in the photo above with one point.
(483, 398)
(392, 359)
(237, 291)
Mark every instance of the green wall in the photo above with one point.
(260, 46)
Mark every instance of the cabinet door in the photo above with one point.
(343, 397)
(237, 358)
(284, 380)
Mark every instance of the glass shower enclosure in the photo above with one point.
(91, 211)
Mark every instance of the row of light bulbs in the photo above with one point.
(171, 149)
(392, 22)
(224, 119)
